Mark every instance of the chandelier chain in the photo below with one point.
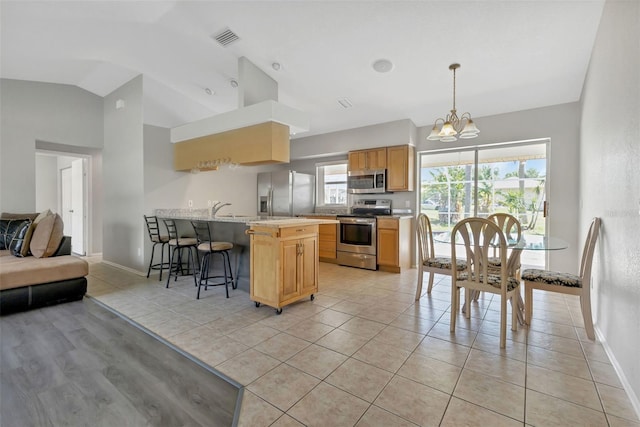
(454, 89)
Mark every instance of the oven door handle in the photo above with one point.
(357, 220)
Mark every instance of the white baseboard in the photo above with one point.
(129, 269)
(616, 366)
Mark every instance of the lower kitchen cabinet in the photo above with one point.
(284, 264)
(327, 240)
(394, 244)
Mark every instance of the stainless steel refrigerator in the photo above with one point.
(285, 193)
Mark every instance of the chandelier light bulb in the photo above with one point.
(453, 125)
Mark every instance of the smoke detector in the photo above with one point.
(383, 65)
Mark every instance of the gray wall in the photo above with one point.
(335, 143)
(610, 184)
(33, 111)
(559, 123)
(168, 189)
(123, 175)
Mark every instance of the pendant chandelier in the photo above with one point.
(453, 125)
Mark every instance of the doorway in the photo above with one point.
(62, 186)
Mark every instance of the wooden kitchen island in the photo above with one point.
(284, 260)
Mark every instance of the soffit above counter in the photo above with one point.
(256, 133)
(262, 112)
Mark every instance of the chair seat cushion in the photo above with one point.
(161, 239)
(215, 246)
(495, 262)
(444, 263)
(184, 241)
(493, 280)
(552, 278)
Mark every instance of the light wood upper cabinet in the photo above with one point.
(394, 244)
(375, 158)
(400, 168)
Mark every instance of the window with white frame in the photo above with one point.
(331, 179)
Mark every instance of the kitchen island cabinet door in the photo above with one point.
(265, 274)
(309, 266)
(290, 250)
(299, 268)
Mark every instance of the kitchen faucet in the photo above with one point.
(216, 207)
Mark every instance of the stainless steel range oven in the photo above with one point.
(357, 234)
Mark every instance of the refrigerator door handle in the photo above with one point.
(270, 202)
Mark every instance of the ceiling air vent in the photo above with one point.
(226, 37)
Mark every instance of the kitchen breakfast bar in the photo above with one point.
(275, 259)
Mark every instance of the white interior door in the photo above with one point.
(65, 199)
(77, 206)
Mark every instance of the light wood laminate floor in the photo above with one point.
(79, 364)
(364, 353)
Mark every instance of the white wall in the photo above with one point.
(46, 186)
(123, 167)
(610, 183)
(33, 111)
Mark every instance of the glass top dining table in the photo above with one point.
(526, 243)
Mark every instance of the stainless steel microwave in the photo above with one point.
(367, 181)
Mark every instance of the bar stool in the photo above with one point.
(177, 244)
(153, 228)
(210, 248)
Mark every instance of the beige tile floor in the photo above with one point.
(364, 353)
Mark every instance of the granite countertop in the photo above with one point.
(290, 222)
(203, 215)
(318, 214)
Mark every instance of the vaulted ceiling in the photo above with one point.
(515, 55)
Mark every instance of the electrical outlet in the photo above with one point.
(190, 203)
(139, 252)
(407, 204)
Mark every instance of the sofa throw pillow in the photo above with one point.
(8, 228)
(42, 216)
(19, 245)
(47, 236)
